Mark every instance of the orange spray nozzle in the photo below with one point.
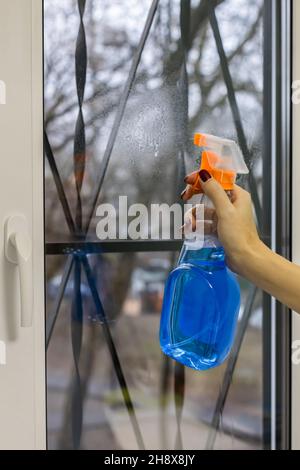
(222, 158)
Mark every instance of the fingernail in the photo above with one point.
(204, 175)
(183, 193)
(185, 179)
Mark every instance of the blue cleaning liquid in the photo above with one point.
(200, 309)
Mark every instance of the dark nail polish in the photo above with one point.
(183, 193)
(204, 175)
(185, 179)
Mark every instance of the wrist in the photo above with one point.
(252, 259)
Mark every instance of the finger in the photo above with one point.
(188, 217)
(193, 215)
(191, 178)
(235, 193)
(215, 192)
(209, 228)
(209, 212)
(214, 225)
(187, 193)
(208, 223)
(240, 196)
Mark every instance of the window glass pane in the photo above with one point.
(168, 101)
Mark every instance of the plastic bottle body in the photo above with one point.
(200, 308)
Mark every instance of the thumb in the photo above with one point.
(215, 192)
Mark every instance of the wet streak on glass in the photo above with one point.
(230, 368)
(235, 110)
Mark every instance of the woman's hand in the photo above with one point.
(246, 254)
(233, 219)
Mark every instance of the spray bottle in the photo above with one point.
(202, 296)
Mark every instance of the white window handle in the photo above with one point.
(18, 250)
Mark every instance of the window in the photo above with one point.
(126, 86)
